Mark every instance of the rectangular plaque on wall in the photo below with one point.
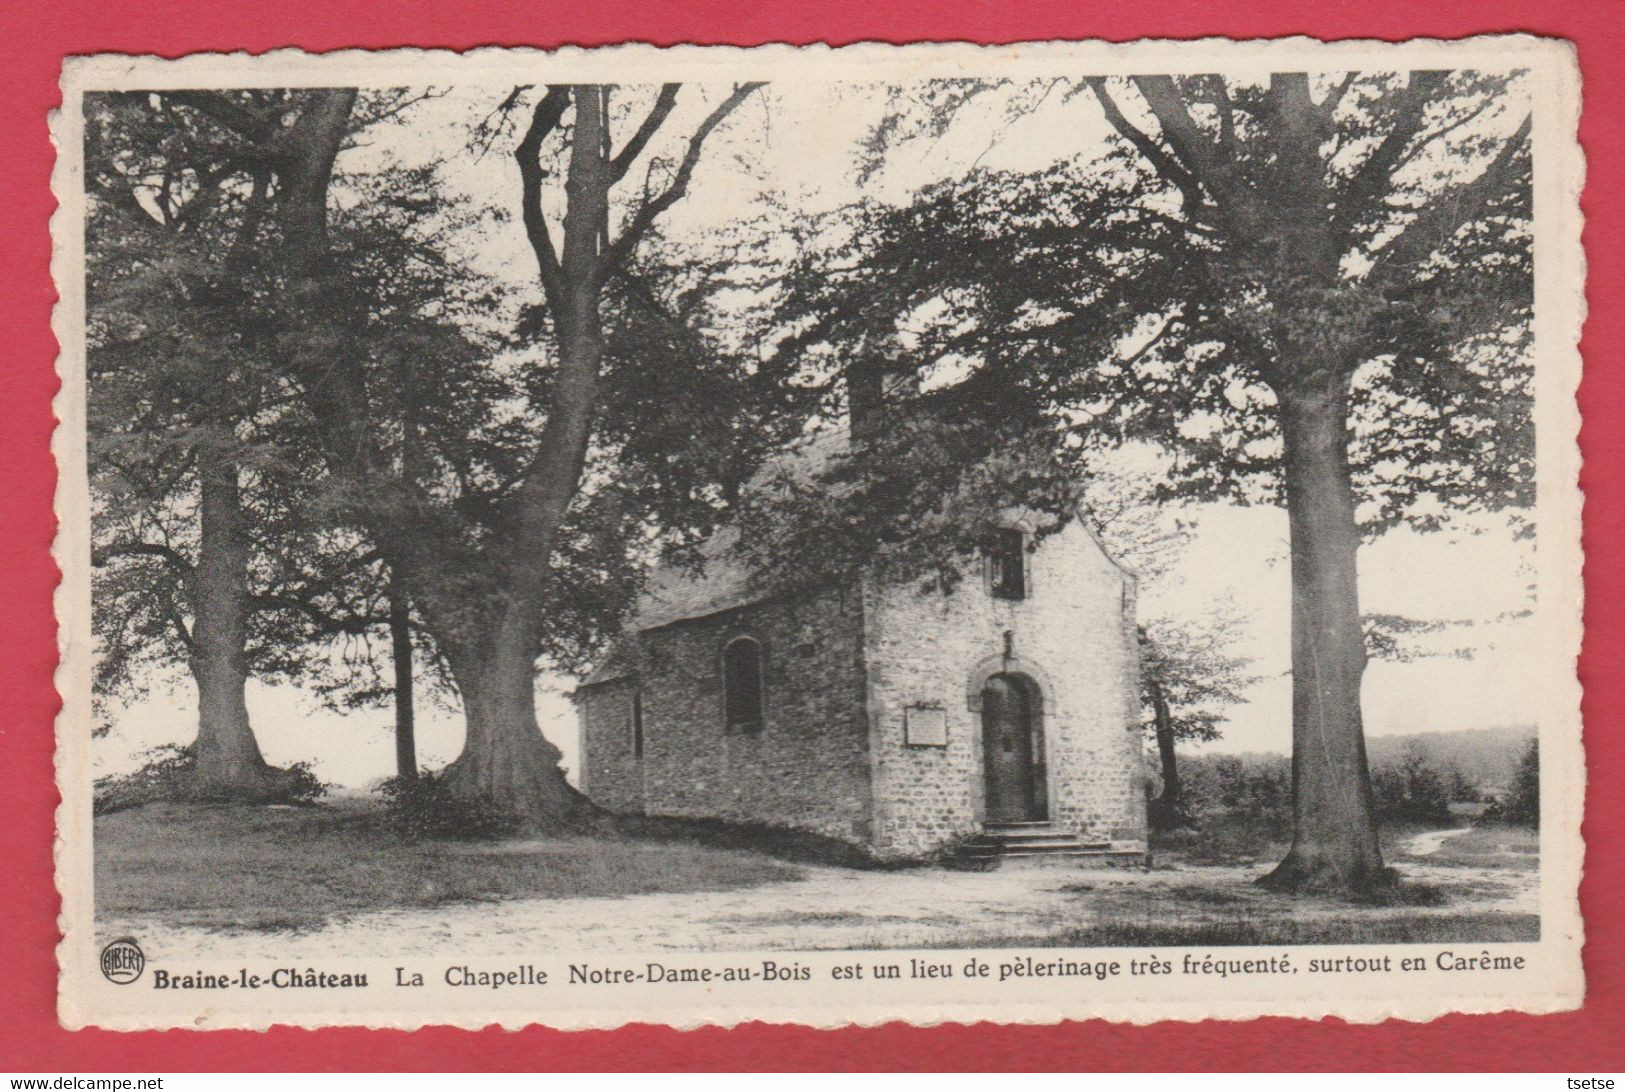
(925, 726)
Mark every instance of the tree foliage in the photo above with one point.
(1382, 218)
(1521, 804)
(1192, 664)
(182, 383)
(281, 324)
(1312, 291)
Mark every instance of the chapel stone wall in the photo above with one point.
(807, 767)
(1074, 633)
(611, 772)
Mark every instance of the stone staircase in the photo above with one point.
(1040, 841)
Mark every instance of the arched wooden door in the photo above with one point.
(1012, 753)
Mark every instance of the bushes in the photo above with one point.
(1413, 788)
(1251, 788)
(1260, 790)
(165, 775)
(169, 774)
(1419, 790)
(300, 785)
(425, 807)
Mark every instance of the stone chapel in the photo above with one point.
(998, 718)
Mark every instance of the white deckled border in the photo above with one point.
(1560, 308)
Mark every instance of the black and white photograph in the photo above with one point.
(701, 535)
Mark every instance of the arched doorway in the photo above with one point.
(1013, 751)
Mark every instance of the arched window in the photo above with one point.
(742, 685)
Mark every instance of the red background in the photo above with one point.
(33, 39)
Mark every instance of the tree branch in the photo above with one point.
(654, 206)
(1446, 214)
(1196, 152)
(123, 198)
(233, 115)
(1421, 143)
(174, 618)
(1334, 97)
(208, 193)
(549, 112)
(1161, 160)
(658, 113)
(253, 216)
(1198, 155)
(1372, 177)
(168, 554)
(1227, 114)
(1289, 91)
(359, 623)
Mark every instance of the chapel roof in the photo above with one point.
(618, 663)
(723, 577)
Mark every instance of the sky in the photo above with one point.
(795, 145)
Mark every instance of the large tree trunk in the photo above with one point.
(228, 758)
(229, 763)
(400, 639)
(507, 766)
(1168, 810)
(1334, 835)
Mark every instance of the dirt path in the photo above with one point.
(1430, 842)
(827, 908)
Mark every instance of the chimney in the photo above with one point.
(876, 381)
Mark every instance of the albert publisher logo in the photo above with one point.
(122, 961)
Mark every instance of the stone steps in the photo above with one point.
(1038, 841)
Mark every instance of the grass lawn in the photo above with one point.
(1400, 928)
(244, 873)
(263, 868)
(1231, 840)
(1446, 895)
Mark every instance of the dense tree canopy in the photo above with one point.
(209, 550)
(1310, 291)
(311, 417)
